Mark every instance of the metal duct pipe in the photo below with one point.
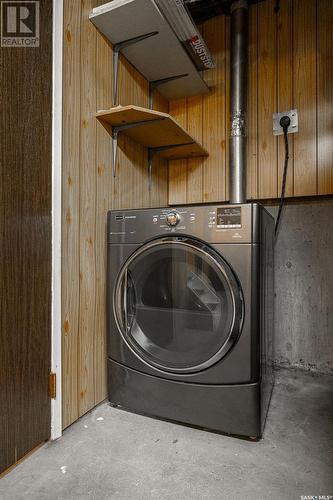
(238, 100)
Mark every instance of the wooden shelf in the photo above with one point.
(152, 129)
(138, 30)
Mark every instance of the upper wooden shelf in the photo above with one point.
(140, 32)
(153, 129)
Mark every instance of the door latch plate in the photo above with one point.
(53, 385)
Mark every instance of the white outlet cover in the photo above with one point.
(293, 115)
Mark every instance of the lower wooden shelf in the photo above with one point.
(155, 130)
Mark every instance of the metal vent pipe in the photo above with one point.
(238, 99)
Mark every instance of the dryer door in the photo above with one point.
(178, 305)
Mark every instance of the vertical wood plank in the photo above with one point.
(285, 88)
(325, 96)
(132, 191)
(194, 165)
(226, 77)
(305, 82)
(70, 211)
(160, 102)
(140, 87)
(87, 317)
(124, 172)
(159, 194)
(160, 178)
(214, 130)
(104, 191)
(178, 168)
(194, 176)
(267, 100)
(252, 106)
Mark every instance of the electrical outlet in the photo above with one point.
(293, 127)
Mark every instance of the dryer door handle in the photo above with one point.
(125, 300)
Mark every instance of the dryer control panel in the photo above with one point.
(229, 218)
(214, 224)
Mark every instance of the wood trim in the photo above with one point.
(57, 79)
(22, 459)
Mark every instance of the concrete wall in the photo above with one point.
(304, 286)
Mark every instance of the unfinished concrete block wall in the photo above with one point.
(304, 286)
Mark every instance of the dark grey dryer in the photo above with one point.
(190, 314)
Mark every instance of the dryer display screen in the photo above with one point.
(229, 218)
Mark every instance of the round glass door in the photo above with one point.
(178, 304)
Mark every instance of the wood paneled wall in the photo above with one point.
(290, 66)
(88, 191)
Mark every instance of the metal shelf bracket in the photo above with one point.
(119, 128)
(156, 83)
(117, 48)
(151, 154)
(114, 150)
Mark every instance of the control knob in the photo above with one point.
(172, 219)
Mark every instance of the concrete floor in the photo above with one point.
(112, 454)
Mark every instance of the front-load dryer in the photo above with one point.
(190, 314)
